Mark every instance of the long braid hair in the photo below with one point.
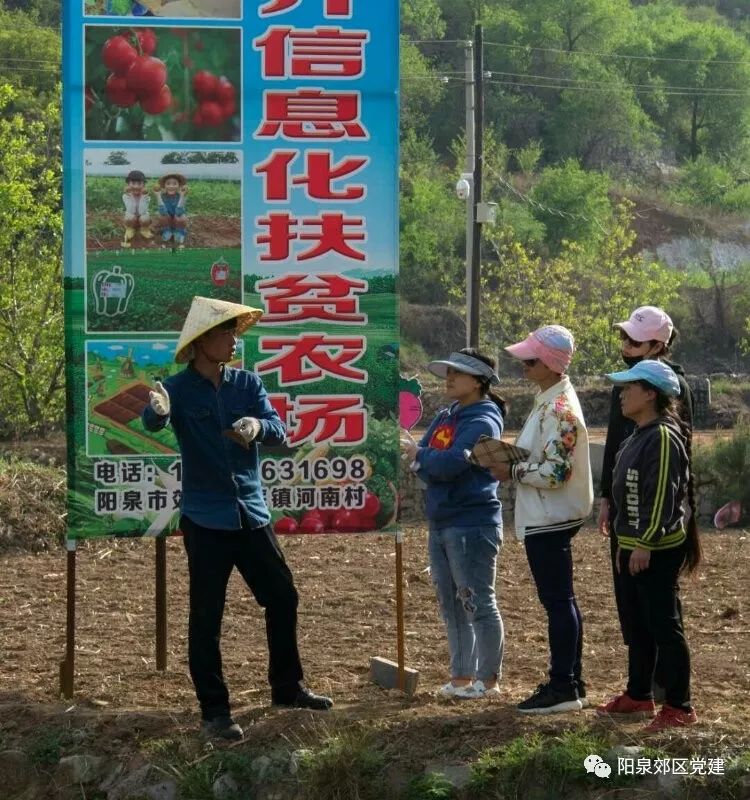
(487, 389)
(694, 555)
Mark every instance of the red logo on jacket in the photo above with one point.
(443, 437)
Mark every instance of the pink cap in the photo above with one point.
(647, 324)
(553, 345)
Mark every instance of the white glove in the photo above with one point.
(408, 446)
(247, 427)
(159, 399)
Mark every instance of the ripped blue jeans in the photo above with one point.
(463, 564)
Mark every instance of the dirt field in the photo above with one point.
(203, 231)
(347, 614)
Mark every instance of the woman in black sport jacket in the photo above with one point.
(655, 525)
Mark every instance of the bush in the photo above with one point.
(519, 219)
(738, 198)
(573, 204)
(528, 157)
(429, 787)
(702, 183)
(722, 469)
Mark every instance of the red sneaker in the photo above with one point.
(624, 704)
(671, 717)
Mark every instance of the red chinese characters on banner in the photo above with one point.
(329, 231)
(339, 419)
(318, 53)
(318, 178)
(299, 297)
(311, 114)
(313, 356)
(331, 8)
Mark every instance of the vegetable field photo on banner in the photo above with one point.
(161, 227)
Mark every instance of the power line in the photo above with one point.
(51, 71)
(584, 85)
(614, 55)
(29, 60)
(650, 87)
(613, 87)
(436, 41)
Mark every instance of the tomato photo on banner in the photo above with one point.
(156, 83)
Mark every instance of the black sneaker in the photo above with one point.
(581, 687)
(547, 700)
(304, 698)
(222, 727)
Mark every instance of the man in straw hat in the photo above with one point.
(219, 415)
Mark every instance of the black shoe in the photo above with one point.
(547, 700)
(581, 687)
(304, 698)
(222, 727)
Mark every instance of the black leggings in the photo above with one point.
(551, 563)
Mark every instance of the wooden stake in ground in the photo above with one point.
(161, 603)
(384, 672)
(67, 665)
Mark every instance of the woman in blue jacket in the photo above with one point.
(464, 515)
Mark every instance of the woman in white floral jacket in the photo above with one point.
(554, 495)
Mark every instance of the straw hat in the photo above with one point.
(181, 179)
(205, 314)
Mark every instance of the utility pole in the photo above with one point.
(468, 176)
(473, 284)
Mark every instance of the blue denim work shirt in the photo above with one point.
(219, 477)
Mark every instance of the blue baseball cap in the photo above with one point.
(660, 375)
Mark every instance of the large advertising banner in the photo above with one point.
(248, 152)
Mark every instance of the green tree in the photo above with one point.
(46, 12)
(520, 291)
(117, 158)
(585, 289)
(612, 279)
(573, 204)
(422, 19)
(575, 24)
(29, 62)
(598, 120)
(708, 111)
(421, 88)
(431, 224)
(31, 303)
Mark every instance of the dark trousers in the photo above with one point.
(617, 578)
(551, 562)
(212, 554)
(656, 638)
